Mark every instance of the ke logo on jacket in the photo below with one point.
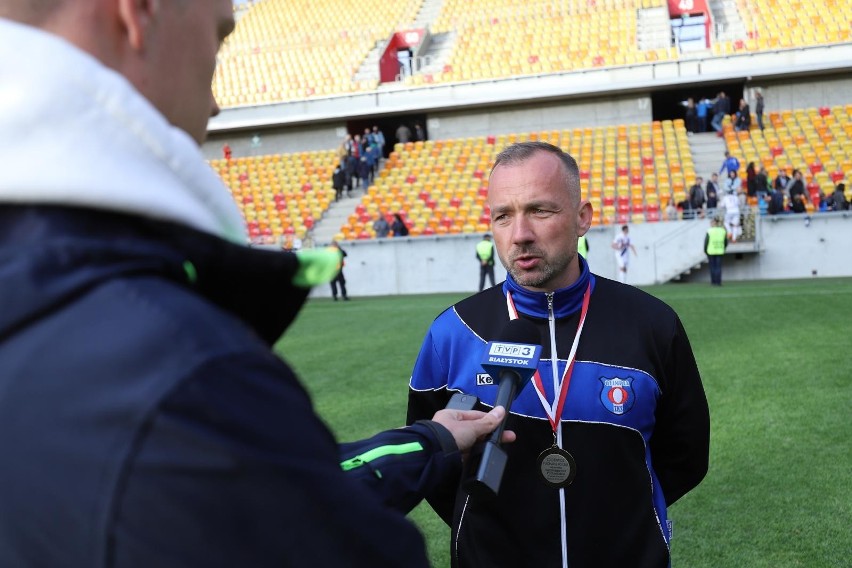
(617, 395)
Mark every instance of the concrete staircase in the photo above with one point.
(335, 217)
(653, 29)
(429, 11)
(708, 151)
(369, 68)
(726, 20)
(437, 52)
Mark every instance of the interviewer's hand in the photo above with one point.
(468, 426)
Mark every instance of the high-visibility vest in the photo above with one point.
(485, 250)
(582, 247)
(716, 241)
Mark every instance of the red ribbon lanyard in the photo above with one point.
(555, 414)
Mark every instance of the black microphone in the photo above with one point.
(510, 360)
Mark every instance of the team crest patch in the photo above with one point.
(484, 379)
(617, 395)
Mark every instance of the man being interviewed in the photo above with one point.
(617, 398)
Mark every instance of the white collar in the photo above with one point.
(77, 133)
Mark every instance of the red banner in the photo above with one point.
(679, 8)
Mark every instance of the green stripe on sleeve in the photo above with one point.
(380, 452)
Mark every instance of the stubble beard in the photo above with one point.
(547, 270)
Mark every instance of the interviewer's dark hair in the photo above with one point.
(522, 151)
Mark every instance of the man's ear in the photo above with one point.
(137, 17)
(584, 218)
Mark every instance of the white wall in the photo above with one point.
(794, 248)
(423, 265)
(536, 117)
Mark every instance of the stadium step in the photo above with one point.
(708, 151)
(429, 12)
(726, 18)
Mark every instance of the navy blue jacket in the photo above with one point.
(145, 421)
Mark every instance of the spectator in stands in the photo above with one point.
(339, 279)
(338, 179)
(743, 121)
(226, 151)
(691, 116)
(758, 108)
(381, 226)
(399, 228)
(730, 163)
(687, 210)
(798, 194)
(731, 205)
(751, 180)
(782, 181)
(371, 153)
(713, 191)
(169, 433)
(721, 107)
(671, 209)
(715, 242)
(419, 133)
(356, 148)
(365, 172)
(351, 172)
(733, 183)
(379, 137)
(697, 196)
(367, 139)
(837, 200)
(403, 134)
(762, 182)
(485, 255)
(346, 147)
(702, 109)
(776, 201)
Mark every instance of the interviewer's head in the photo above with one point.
(165, 48)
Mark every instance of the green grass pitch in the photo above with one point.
(776, 361)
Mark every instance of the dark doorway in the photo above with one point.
(389, 125)
(670, 104)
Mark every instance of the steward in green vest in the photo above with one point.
(715, 243)
(583, 247)
(485, 256)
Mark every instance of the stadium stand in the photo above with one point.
(294, 49)
(780, 24)
(288, 50)
(501, 38)
(629, 172)
(816, 141)
(280, 195)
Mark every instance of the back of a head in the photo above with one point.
(34, 13)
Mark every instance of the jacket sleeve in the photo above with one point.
(403, 466)
(428, 394)
(234, 468)
(680, 446)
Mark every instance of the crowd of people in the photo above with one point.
(731, 198)
(360, 156)
(698, 113)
